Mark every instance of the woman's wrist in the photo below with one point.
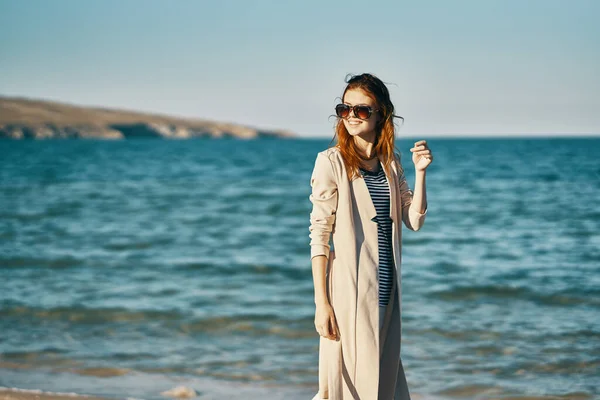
(321, 302)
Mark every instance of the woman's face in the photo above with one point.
(360, 127)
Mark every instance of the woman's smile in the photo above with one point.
(364, 128)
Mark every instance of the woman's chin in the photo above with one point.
(366, 135)
(355, 132)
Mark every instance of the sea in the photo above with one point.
(131, 268)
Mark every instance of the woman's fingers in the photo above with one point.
(337, 331)
(334, 328)
(419, 148)
(328, 330)
(325, 324)
(323, 330)
(420, 143)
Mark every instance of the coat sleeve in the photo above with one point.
(324, 198)
(412, 219)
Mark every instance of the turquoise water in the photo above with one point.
(131, 267)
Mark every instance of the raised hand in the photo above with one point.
(422, 156)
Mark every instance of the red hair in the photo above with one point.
(384, 145)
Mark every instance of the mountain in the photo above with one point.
(22, 118)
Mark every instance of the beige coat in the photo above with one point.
(349, 368)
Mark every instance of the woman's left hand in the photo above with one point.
(422, 156)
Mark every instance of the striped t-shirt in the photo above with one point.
(380, 195)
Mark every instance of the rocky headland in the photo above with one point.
(22, 118)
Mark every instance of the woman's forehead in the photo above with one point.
(357, 96)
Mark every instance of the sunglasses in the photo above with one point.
(360, 111)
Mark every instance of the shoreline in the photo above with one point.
(7, 393)
(33, 394)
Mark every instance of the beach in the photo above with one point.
(22, 394)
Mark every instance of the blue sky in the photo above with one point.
(478, 67)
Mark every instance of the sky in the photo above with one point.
(453, 67)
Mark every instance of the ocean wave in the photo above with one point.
(501, 292)
(88, 315)
(39, 262)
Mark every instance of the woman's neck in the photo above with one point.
(365, 145)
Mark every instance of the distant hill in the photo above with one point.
(22, 118)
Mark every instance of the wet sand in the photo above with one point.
(20, 394)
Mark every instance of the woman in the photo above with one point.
(360, 198)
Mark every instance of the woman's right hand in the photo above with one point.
(325, 322)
